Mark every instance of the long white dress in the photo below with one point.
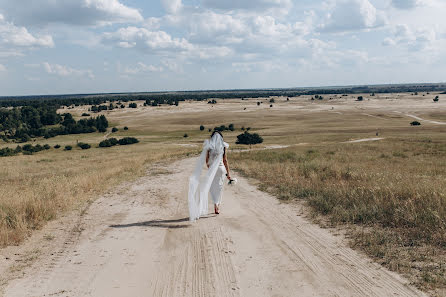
(201, 185)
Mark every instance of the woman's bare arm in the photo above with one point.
(207, 159)
(225, 162)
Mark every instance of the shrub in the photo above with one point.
(133, 105)
(84, 146)
(46, 146)
(249, 139)
(271, 100)
(436, 99)
(114, 130)
(201, 128)
(415, 123)
(270, 105)
(18, 149)
(209, 129)
(57, 146)
(258, 103)
(6, 152)
(129, 140)
(231, 127)
(360, 98)
(185, 135)
(126, 128)
(68, 147)
(85, 114)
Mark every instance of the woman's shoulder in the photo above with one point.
(226, 144)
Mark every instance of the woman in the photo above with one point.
(214, 155)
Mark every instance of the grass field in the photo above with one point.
(390, 193)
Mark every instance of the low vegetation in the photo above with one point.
(397, 198)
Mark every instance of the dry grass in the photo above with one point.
(394, 189)
(37, 188)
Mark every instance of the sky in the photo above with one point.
(95, 46)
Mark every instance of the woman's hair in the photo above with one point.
(215, 131)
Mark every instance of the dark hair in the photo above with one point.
(215, 131)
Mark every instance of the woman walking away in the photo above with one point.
(214, 155)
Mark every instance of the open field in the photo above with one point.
(391, 191)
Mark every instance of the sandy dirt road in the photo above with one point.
(136, 241)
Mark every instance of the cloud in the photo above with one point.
(352, 15)
(12, 35)
(417, 40)
(62, 70)
(247, 4)
(73, 12)
(146, 40)
(141, 68)
(2, 68)
(404, 4)
(172, 6)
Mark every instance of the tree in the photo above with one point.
(133, 105)
(249, 139)
(231, 127)
(201, 128)
(114, 130)
(271, 100)
(126, 128)
(360, 98)
(415, 123)
(258, 103)
(436, 99)
(68, 147)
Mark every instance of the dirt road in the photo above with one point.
(137, 241)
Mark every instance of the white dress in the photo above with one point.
(216, 189)
(200, 186)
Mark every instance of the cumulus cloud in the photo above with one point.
(413, 40)
(62, 70)
(352, 15)
(12, 35)
(77, 12)
(142, 38)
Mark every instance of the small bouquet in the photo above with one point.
(232, 182)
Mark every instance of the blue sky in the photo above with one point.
(89, 46)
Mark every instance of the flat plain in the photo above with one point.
(316, 155)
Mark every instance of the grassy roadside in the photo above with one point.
(37, 188)
(391, 193)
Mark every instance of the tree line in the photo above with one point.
(23, 123)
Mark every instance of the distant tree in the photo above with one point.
(185, 135)
(209, 129)
(415, 123)
(68, 147)
(126, 128)
(258, 103)
(114, 130)
(133, 105)
(249, 139)
(46, 146)
(201, 128)
(272, 100)
(436, 99)
(127, 141)
(231, 127)
(85, 114)
(360, 98)
(270, 105)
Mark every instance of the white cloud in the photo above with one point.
(352, 15)
(20, 36)
(172, 6)
(2, 68)
(141, 68)
(62, 70)
(417, 40)
(142, 38)
(77, 12)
